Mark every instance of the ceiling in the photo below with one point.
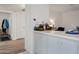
(53, 7)
(12, 7)
(64, 7)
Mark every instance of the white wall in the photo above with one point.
(8, 17)
(2, 16)
(16, 19)
(57, 16)
(68, 19)
(71, 19)
(16, 22)
(41, 13)
(18, 25)
(29, 30)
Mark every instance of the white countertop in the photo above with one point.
(60, 34)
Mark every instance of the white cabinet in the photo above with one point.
(54, 45)
(68, 46)
(40, 44)
(61, 45)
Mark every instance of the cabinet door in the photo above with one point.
(53, 45)
(40, 43)
(60, 45)
(67, 46)
(77, 47)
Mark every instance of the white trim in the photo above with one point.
(4, 11)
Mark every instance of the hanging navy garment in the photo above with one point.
(5, 24)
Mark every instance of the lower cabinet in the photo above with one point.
(46, 44)
(40, 46)
(61, 46)
(53, 45)
(68, 46)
